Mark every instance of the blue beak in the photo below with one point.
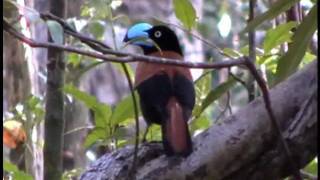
(138, 31)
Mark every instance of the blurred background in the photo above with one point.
(24, 74)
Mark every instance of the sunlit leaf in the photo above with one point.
(231, 52)
(96, 9)
(154, 133)
(202, 122)
(74, 59)
(95, 135)
(96, 28)
(119, 67)
(278, 35)
(56, 31)
(296, 51)
(124, 110)
(308, 57)
(185, 12)
(275, 9)
(16, 173)
(216, 93)
(202, 88)
(312, 167)
(102, 112)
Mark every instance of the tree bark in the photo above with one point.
(244, 146)
(54, 117)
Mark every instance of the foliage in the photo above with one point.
(185, 12)
(15, 173)
(275, 9)
(301, 39)
(106, 118)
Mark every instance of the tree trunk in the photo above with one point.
(54, 117)
(243, 146)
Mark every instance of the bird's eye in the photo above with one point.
(157, 34)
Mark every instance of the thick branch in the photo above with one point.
(244, 146)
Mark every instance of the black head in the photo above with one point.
(162, 36)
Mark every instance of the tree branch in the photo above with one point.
(126, 57)
(244, 146)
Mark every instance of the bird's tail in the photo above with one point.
(175, 133)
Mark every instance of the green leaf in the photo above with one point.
(154, 133)
(102, 112)
(200, 123)
(96, 28)
(90, 101)
(97, 9)
(74, 59)
(278, 35)
(245, 50)
(56, 31)
(290, 61)
(95, 135)
(275, 9)
(312, 167)
(16, 173)
(308, 57)
(10, 10)
(185, 12)
(231, 52)
(216, 93)
(119, 67)
(124, 110)
(202, 88)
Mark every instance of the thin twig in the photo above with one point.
(275, 123)
(252, 51)
(206, 42)
(136, 113)
(127, 57)
(78, 129)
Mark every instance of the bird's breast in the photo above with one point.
(146, 70)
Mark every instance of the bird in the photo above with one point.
(166, 92)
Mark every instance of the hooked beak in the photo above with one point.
(138, 31)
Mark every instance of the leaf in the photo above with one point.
(96, 28)
(154, 133)
(200, 123)
(74, 59)
(312, 167)
(102, 112)
(275, 9)
(124, 110)
(119, 67)
(216, 93)
(278, 35)
(56, 31)
(97, 9)
(95, 135)
(185, 12)
(10, 10)
(16, 173)
(288, 63)
(231, 52)
(202, 88)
